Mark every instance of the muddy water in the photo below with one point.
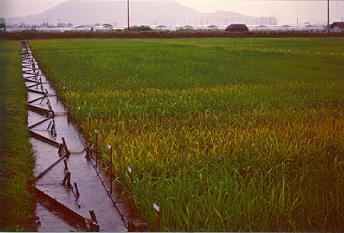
(93, 194)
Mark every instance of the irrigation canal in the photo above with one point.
(72, 193)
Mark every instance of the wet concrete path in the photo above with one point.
(92, 193)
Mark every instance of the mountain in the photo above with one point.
(147, 12)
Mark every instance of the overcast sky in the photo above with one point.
(286, 12)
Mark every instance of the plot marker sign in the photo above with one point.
(156, 207)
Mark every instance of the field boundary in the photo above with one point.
(32, 35)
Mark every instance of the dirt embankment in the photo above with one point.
(157, 35)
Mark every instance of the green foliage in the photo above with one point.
(2, 23)
(16, 160)
(225, 134)
(141, 28)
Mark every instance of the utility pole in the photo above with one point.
(128, 14)
(328, 15)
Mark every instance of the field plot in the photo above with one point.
(225, 134)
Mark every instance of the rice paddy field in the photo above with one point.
(224, 134)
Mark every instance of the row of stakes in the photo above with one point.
(63, 149)
(51, 127)
(156, 207)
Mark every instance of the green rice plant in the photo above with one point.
(17, 205)
(224, 134)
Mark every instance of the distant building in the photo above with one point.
(186, 28)
(213, 27)
(161, 27)
(237, 28)
(82, 28)
(2, 24)
(103, 28)
(35, 28)
(62, 25)
(337, 27)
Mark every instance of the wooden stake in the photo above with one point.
(96, 131)
(157, 209)
(111, 176)
(89, 124)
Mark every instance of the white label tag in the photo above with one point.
(129, 169)
(156, 207)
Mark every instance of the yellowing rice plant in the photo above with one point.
(224, 134)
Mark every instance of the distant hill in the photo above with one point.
(148, 12)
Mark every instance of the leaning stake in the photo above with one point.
(157, 210)
(111, 176)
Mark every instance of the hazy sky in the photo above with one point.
(286, 12)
